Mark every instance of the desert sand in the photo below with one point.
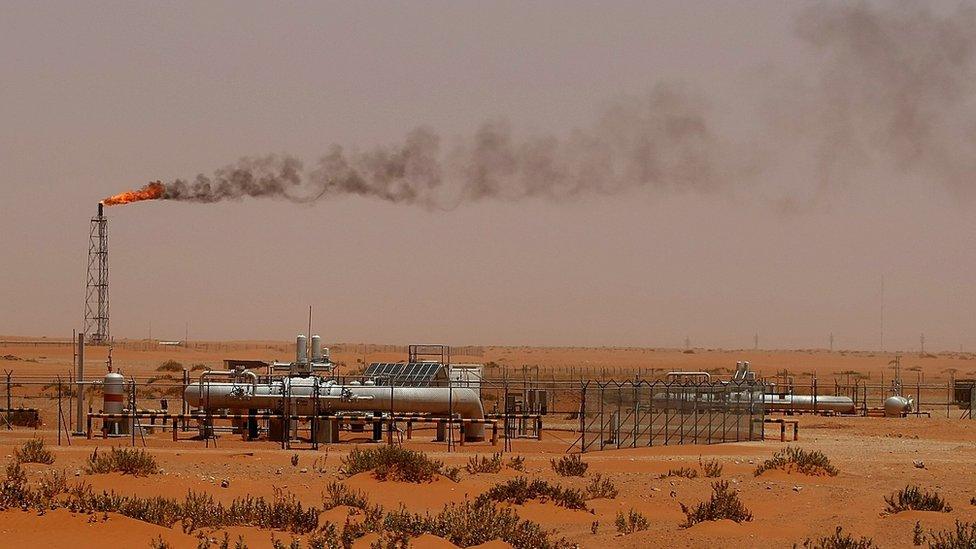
(875, 456)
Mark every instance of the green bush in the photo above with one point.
(33, 451)
(808, 463)
(631, 522)
(569, 466)
(724, 504)
(911, 498)
(128, 461)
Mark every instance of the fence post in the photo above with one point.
(7, 413)
(582, 417)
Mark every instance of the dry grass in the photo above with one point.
(33, 451)
(518, 463)
(569, 466)
(797, 459)
(128, 461)
(911, 498)
(724, 504)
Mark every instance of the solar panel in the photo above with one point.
(400, 374)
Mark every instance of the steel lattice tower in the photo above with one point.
(96, 293)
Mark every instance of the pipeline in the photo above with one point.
(334, 398)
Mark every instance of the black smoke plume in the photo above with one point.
(893, 84)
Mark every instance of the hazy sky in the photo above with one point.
(745, 167)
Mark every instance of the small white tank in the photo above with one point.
(301, 349)
(897, 406)
(316, 348)
(113, 401)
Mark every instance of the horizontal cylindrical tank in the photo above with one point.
(807, 403)
(897, 406)
(334, 398)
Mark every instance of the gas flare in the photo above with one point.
(151, 191)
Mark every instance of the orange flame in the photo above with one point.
(152, 191)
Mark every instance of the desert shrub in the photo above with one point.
(159, 543)
(569, 466)
(395, 463)
(839, 540)
(683, 472)
(199, 366)
(294, 460)
(600, 487)
(519, 490)
(518, 463)
(465, 524)
(337, 494)
(53, 483)
(963, 537)
(33, 451)
(724, 504)
(128, 461)
(911, 498)
(473, 523)
(14, 491)
(711, 468)
(170, 366)
(808, 463)
(631, 522)
(918, 534)
(482, 464)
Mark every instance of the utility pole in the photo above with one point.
(882, 313)
(922, 343)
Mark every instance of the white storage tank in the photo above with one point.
(897, 406)
(113, 402)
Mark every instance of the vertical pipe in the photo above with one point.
(60, 415)
(7, 412)
(80, 410)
